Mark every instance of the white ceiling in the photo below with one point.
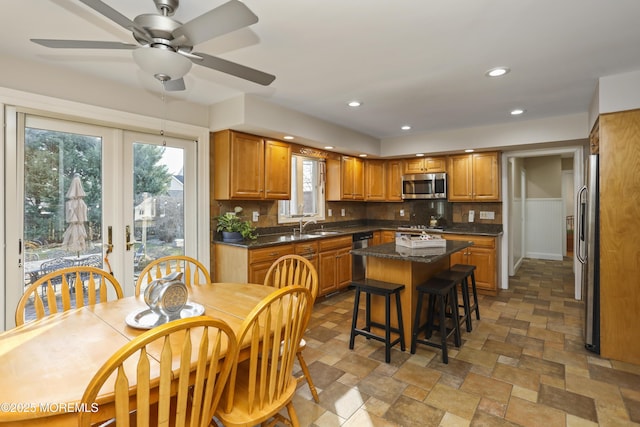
(417, 62)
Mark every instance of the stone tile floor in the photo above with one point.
(524, 364)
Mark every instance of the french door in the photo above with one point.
(94, 195)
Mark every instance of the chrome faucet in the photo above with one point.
(303, 225)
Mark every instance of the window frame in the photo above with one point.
(320, 191)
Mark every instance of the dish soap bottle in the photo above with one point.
(433, 222)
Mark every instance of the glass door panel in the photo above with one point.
(62, 211)
(158, 198)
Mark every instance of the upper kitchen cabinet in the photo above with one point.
(474, 177)
(248, 167)
(375, 180)
(393, 178)
(345, 178)
(425, 165)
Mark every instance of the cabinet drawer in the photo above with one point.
(335, 243)
(307, 250)
(478, 241)
(269, 254)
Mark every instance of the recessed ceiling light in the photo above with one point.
(405, 127)
(328, 147)
(517, 111)
(497, 72)
(354, 103)
(419, 155)
(363, 155)
(288, 137)
(469, 150)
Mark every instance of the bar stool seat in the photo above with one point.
(441, 292)
(385, 289)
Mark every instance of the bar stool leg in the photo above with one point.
(455, 316)
(475, 295)
(400, 322)
(354, 319)
(387, 328)
(465, 301)
(443, 330)
(416, 323)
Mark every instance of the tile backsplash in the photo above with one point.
(413, 212)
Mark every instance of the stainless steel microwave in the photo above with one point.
(424, 186)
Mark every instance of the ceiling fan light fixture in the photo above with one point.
(163, 64)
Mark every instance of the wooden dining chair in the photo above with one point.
(180, 387)
(263, 384)
(296, 270)
(78, 286)
(194, 272)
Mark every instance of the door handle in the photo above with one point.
(127, 234)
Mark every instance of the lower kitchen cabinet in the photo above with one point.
(483, 254)
(334, 264)
(242, 265)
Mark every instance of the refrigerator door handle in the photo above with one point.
(582, 205)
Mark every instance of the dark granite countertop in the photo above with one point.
(286, 238)
(425, 255)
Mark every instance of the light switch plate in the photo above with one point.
(343, 212)
(401, 212)
(256, 215)
(330, 212)
(472, 216)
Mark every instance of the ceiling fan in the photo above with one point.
(165, 45)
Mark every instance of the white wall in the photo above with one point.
(504, 136)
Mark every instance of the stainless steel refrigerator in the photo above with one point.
(588, 252)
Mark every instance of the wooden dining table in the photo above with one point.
(45, 365)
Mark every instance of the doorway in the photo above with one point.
(516, 225)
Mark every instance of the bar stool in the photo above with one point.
(459, 278)
(385, 289)
(460, 273)
(441, 292)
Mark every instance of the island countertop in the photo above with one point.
(424, 255)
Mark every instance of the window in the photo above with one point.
(307, 191)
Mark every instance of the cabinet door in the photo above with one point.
(352, 172)
(459, 258)
(485, 262)
(247, 166)
(346, 176)
(414, 165)
(435, 164)
(486, 177)
(327, 272)
(343, 267)
(460, 173)
(358, 179)
(277, 180)
(388, 236)
(258, 271)
(393, 185)
(375, 179)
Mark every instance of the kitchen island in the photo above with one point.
(410, 267)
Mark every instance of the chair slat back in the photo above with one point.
(273, 330)
(293, 270)
(194, 272)
(195, 361)
(87, 285)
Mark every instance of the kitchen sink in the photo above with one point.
(325, 232)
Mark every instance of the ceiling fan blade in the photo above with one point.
(174, 85)
(82, 44)
(228, 17)
(109, 12)
(232, 68)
